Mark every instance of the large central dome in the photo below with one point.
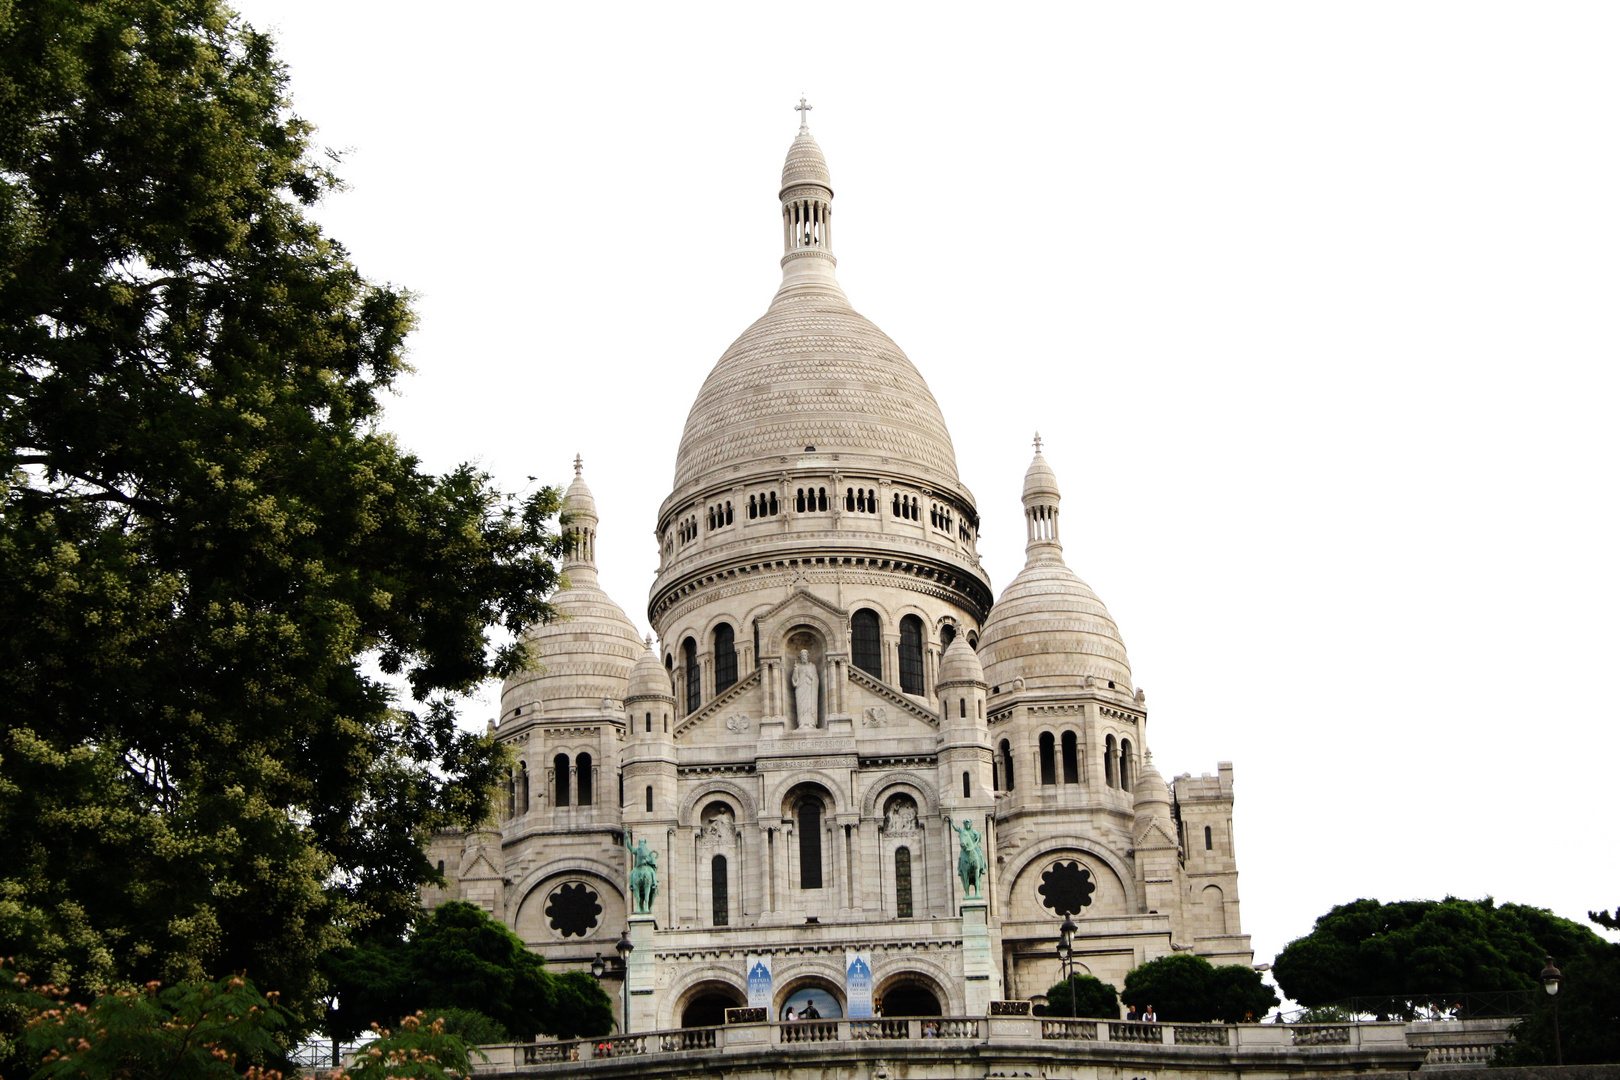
(812, 372)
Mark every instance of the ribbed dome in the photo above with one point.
(959, 664)
(1050, 629)
(813, 372)
(1151, 790)
(584, 655)
(1040, 480)
(648, 678)
(805, 163)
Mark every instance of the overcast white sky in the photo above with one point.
(1314, 304)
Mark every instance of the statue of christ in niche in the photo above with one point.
(806, 691)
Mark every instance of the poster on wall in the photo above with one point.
(858, 983)
(758, 970)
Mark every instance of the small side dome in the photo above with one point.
(1151, 790)
(648, 679)
(960, 664)
(1040, 482)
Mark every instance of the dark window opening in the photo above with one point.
(810, 844)
(649, 798)
(902, 883)
(582, 783)
(821, 498)
(1127, 765)
(773, 502)
(911, 655)
(725, 657)
(1209, 839)
(523, 787)
(947, 634)
(694, 684)
(799, 506)
(849, 500)
(717, 879)
(1007, 764)
(649, 723)
(961, 704)
(559, 766)
(1110, 766)
(967, 786)
(1071, 759)
(1048, 762)
(866, 642)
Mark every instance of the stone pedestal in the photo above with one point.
(980, 984)
(642, 975)
(840, 725)
(771, 727)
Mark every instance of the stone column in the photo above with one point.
(641, 976)
(978, 963)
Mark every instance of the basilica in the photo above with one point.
(839, 719)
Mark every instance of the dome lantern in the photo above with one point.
(806, 196)
(1041, 500)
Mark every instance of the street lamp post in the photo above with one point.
(1550, 978)
(625, 949)
(1065, 952)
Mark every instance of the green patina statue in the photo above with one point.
(643, 875)
(970, 863)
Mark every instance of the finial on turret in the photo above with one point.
(1037, 442)
(648, 639)
(579, 465)
(803, 109)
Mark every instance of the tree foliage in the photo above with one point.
(1588, 1010)
(460, 958)
(1186, 988)
(1425, 947)
(1087, 996)
(204, 535)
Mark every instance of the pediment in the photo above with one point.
(890, 696)
(721, 704)
(480, 867)
(797, 601)
(1147, 839)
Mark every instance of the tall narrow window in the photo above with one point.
(694, 682)
(649, 798)
(810, 844)
(511, 792)
(523, 787)
(866, 643)
(1127, 765)
(774, 504)
(717, 886)
(649, 723)
(821, 499)
(902, 883)
(799, 503)
(947, 634)
(1071, 759)
(1048, 756)
(1110, 765)
(967, 786)
(1006, 765)
(911, 655)
(1209, 839)
(961, 704)
(756, 644)
(725, 657)
(583, 778)
(559, 767)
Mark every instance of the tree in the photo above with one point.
(1187, 988)
(1088, 996)
(459, 958)
(205, 538)
(1420, 948)
(1588, 1010)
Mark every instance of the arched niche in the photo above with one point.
(803, 644)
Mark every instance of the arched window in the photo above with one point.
(1048, 762)
(894, 504)
(1006, 765)
(1209, 839)
(947, 634)
(849, 500)
(1110, 765)
(799, 505)
(866, 642)
(753, 507)
(902, 883)
(725, 657)
(694, 684)
(911, 655)
(774, 508)
(1127, 765)
(523, 787)
(582, 783)
(967, 786)
(730, 516)
(961, 705)
(717, 886)
(1071, 759)
(821, 498)
(559, 768)
(649, 723)
(649, 798)
(810, 844)
(756, 644)
(511, 792)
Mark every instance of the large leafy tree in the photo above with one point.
(459, 960)
(1083, 995)
(1191, 989)
(211, 557)
(1422, 948)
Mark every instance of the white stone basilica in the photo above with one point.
(835, 691)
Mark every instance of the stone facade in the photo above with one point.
(832, 692)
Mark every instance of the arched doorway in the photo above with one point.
(910, 995)
(706, 1006)
(816, 996)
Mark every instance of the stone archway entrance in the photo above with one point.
(910, 996)
(706, 1006)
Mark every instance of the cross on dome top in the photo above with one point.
(803, 109)
(1037, 442)
(579, 465)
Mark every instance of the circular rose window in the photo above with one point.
(1066, 887)
(573, 909)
